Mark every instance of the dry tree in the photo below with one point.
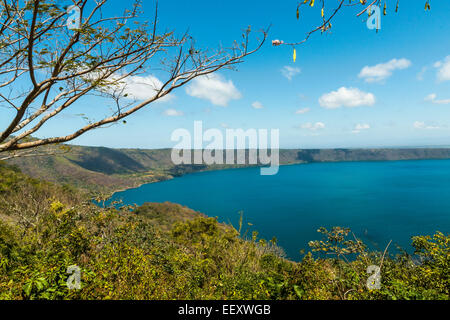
(51, 57)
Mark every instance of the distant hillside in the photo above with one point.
(108, 170)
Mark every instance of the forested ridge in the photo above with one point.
(101, 169)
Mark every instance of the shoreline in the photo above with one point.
(203, 170)
(259, 166)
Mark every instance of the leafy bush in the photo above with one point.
(166, 251)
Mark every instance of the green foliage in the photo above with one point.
(336, 242)
(167, 251)
(434, 253)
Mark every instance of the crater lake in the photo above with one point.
(379, 201)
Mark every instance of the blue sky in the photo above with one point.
(350, 88)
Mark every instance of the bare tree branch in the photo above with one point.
(326, 19)
(56, 67)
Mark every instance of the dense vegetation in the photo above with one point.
(100, 169)
(166, 251)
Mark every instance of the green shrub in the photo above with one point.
(166, 251)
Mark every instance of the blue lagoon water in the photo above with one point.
(379, 201)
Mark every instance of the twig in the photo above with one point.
(367, 8)
(384, 253)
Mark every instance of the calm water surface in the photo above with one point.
(379, 201)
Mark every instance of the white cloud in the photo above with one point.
(290, 72)
(347, 97)
(432, 98)
(421, 73)
(302, 111)
(142, 88)
(443, 73)
(423, 125)
(313, 126)
(213, 88)
(257, 105)
(419, 124)
(173, 113)
(382, 71)
(360, 126)
(134, 87)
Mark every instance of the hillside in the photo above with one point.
(108, 170)
(167, 251)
